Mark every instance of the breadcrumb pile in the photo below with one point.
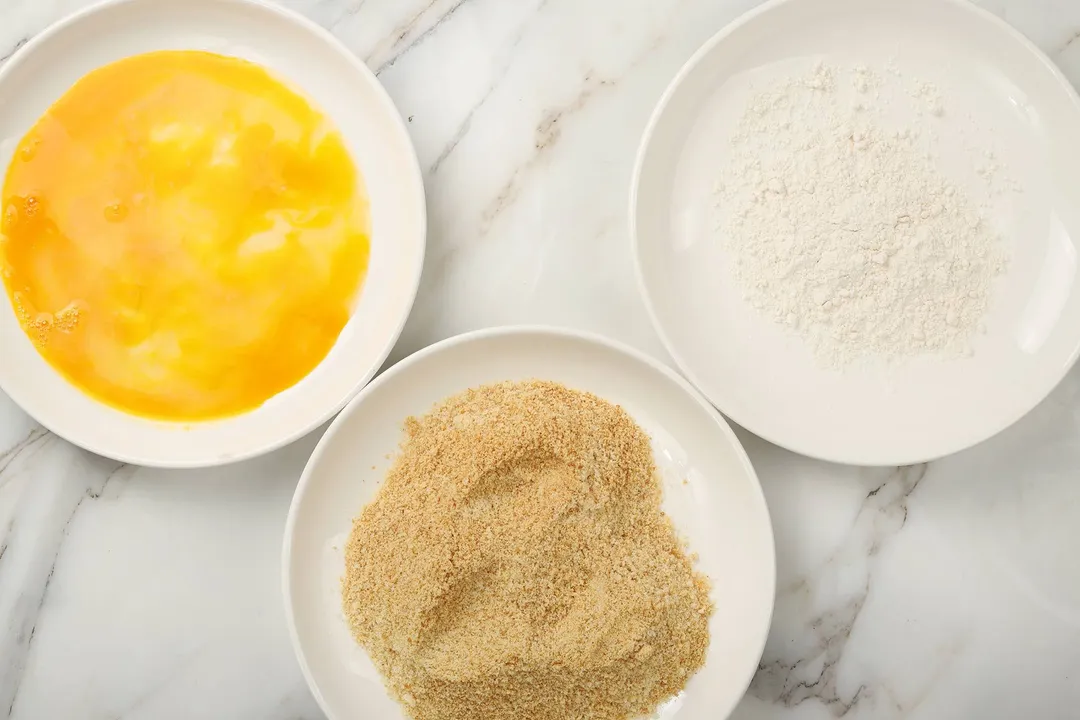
(516, 564)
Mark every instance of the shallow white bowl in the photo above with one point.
(710, 492)
(308, 56)
(765, 378)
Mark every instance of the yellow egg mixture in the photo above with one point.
(183, 235)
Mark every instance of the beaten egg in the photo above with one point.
(183, 235)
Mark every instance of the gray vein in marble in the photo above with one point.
(5, 536)
(346, 13)
(1067, 44)
(548, 130)
(547, 134)
(22, 41)
(815, 675)
(28, 444)
(500, 75)
(409, 34)
(463, 128)
(62, 480)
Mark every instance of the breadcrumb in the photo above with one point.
(516, 564)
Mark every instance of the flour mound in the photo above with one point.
(844, 230)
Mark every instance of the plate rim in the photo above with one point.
(508, 331)
(656, 115)
(132, 455)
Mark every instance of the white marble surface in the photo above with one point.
(943, 591)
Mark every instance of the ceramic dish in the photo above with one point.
(1008, 96)
(720, 508)
(298, 51)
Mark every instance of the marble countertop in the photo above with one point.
(947, 590)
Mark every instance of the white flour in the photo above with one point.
(845, 231)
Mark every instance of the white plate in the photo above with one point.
(720, 509)
(344, 88)
(1007, 96)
